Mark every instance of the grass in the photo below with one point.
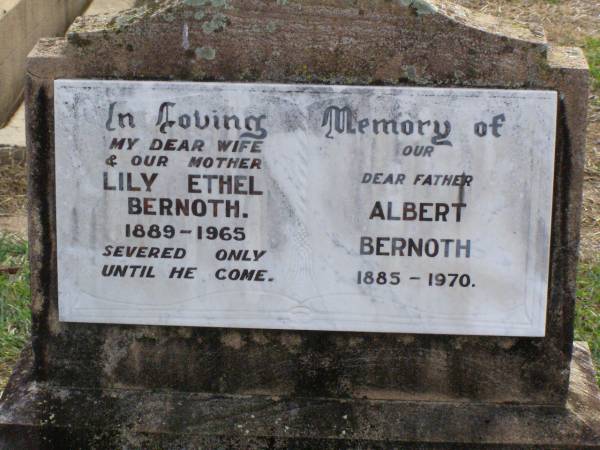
(592, 51)
(587, 316)
(15, 315)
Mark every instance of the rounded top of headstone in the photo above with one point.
(211, 15)
(399, 42)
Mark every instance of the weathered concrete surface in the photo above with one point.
(109, 6)
(22, 23)
(334, 41)
(52, 417)
(12, 138)
(12, 135)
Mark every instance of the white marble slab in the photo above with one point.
(318, 198)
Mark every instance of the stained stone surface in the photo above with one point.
(133, 419)
(434, 44)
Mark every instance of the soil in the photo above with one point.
(13, 198)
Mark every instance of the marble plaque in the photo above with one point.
(381, 209)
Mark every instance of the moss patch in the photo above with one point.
(592, 51)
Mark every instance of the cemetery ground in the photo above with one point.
(567, 22)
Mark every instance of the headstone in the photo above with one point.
(302, 224)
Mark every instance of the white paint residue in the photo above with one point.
(186, 37)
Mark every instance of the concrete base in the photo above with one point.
(35, 415)
(12, 139)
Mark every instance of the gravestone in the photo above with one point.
(302, 224)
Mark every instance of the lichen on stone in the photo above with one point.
(77, 40)
(421, 7)
(271, 27)
(195, 2)
(411, 73)
(215, 3)
(207, 53)
(217, 23)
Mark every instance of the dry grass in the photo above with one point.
(13, 189)
(567, 22)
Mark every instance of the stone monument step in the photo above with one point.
(39, 415)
